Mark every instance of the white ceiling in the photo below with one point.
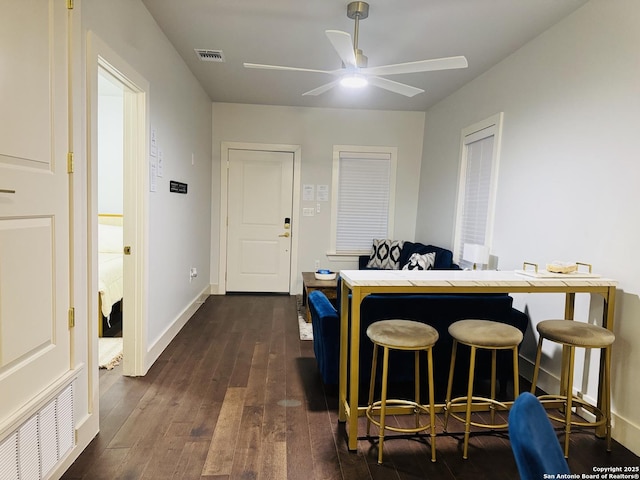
(291, 33)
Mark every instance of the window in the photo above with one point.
(363, 197)
(480, 149)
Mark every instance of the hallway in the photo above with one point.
(237, 395)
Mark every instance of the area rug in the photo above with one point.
(306, 332)
(109, 352)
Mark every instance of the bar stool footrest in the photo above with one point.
(577, 402)
(492, 403)
(407, 403)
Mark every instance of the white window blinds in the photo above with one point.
(477, 187)
(477, 191)
(363, 200)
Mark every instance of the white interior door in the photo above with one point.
(34, 202)
(259, 206)
(132, 122)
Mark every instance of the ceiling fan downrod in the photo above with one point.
(358, 11)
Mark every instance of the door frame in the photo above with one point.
(136, 113)
(296, 150)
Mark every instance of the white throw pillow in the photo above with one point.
(420, 262)
(110, 238)
(385, 254)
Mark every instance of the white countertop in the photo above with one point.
(489, 278)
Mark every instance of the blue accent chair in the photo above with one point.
(325, 324)
(533, 441)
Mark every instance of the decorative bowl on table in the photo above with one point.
(562, 267)
(324, 274)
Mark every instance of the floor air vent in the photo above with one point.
(207, 55)
(34, 449)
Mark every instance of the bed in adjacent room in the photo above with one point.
(110, 273)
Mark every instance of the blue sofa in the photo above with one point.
(439, 311)
(443, 260)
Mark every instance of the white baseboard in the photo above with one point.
(170, 332)
(626, 433)
(622, 430)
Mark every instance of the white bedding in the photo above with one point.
(110, 284)
(110, 281)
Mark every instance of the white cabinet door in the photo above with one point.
(34, 201)
(259, 206)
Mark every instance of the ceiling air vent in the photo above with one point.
(207, 55)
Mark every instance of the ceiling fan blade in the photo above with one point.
(395, 87)
(323, 88)
(280, 67)
(342, 44)
(446, 63)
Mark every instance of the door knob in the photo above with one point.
(285, 234)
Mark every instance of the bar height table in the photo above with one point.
(360, 283)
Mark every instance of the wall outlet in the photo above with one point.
(193, 273)
(316, 265)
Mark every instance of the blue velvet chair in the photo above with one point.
(533, 440)
(325, 324)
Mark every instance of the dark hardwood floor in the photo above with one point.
(237, 395)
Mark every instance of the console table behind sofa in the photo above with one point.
(361, 283)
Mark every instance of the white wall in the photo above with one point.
(110, 148)
(569, 173)
(317, 130)
(179, 225)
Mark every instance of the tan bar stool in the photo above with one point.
(488, 335)
(401, 335)
(572, 335)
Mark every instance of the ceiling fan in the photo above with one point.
(355, 73)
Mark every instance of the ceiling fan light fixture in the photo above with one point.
(353, 80)
(355, 72)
